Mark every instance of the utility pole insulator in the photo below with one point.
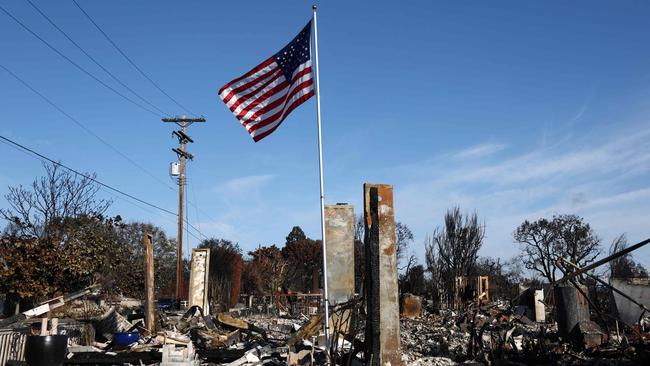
(182, 137)
(184, 154)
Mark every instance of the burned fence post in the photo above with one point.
(199, 275)
(382, 298)
(149, 285)
(571, 308)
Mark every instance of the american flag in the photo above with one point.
(263, 97)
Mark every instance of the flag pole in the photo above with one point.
(322, 194)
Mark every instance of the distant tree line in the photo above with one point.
(58, 239)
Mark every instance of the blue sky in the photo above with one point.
(515, 110)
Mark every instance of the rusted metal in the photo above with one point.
(339, 230)
(588, 334)
(382, 324)
(633, 300)
(571, 308)
(641, 307)
(411, 306)
(603, 261)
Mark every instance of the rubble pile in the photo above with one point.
(485, 333)
(494, 334)
(277, 328)
(433, 335)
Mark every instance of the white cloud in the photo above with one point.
(217, 229)
(479, 151)
(243, 185)
(604, 180)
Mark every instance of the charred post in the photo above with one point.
(149, 285)
(382, 301)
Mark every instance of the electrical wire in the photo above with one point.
(188, 202)
(82, 126)
(76, 64)
(196, 207)
(105, 187)
(43, 157)
(131, 61)
(94, 60)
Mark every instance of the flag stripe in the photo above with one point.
(288, 99)
(263, 125)
(302, 99)
(302, 70)
(302, 73)
(249, 84)
(260, 89)
(277, 89)
(254, 70)
(274, 113)
(293, 103)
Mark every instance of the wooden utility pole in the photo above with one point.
(182, 153)
(181, 192)
(148, 263)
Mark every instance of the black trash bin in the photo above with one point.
(46, 350)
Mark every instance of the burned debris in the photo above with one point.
(563, 322)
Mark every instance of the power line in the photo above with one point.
(31, 151)
(196, 207)
(131, 61)
(94, 60)
(40, 156)
(188, 202)
(150, 211)
(82, 126)
(76, 64)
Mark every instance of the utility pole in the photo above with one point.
(182, 153)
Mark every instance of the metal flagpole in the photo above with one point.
(322, 194)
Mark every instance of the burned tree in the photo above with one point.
(404, 238)
(295, 235)
(544, 241)
(57, 239)
(39, 210)
(265, 271)
(127, 276)
(434, 267)
(458, 242)
(413, 281)
(505, 277)
(403, 235)
(304, 261)
(226, 266)
(36, 268)
(624, 266)
(456, 246)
